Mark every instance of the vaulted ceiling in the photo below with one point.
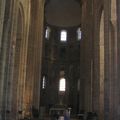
(63, 13)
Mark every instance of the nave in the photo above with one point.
(57, 53)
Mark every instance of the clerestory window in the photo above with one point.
(79, 34)
(43, 82)
(63, 35)
(47, 33)
(62, 85)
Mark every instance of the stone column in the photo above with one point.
(34, 54)
(22, 79)
(4, 55)
(2, 13)
(86, 57)
(101, 67)
(38, 34)
(11, 62)
(113, 83)
(117, 86)
(82, 57)
(107, 60)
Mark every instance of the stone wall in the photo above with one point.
(14, 43)
(99, 58)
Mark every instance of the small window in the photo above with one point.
(62, 85)
(63, 35)
(43, 82)
(47, 33)
(79, 34)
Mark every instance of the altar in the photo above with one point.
(56, 110)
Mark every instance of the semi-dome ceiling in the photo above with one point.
(63, 13)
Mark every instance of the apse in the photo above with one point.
(63, 13)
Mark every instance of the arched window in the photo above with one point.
(63, 35)
(43, 82)
(79, 34)
(47, 33)
(62, 85)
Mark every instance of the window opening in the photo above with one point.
(47, 33)
(79, 34)
(63, 35)
(44, 83)
(62, 85)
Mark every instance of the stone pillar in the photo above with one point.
(82, 57)
(4, 55)
(38, 34)
(86, 56)
(107, 59)
(113, 81)
(101, 67)
(22, 78)
(34, 54)
(117, 88)
(11, 62)
(96, 57)
(2, 13)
